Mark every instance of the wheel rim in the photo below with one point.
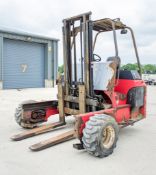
(109, 137)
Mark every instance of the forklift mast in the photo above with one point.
(70, 31)
(72, 94)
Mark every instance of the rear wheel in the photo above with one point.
(19, 116)
(100, 135)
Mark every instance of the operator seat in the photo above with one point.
(104, 73)
(116, 60)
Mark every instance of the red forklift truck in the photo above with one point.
(101, 96)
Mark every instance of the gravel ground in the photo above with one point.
(135, 153)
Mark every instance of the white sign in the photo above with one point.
(24, 67)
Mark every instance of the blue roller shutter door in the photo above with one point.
(23, 64)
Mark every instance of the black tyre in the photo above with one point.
(19, 116)
(100, 135)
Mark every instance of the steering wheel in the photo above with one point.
(96, 59)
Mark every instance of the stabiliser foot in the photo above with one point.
(78, 146)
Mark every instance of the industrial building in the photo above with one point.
(27, 60)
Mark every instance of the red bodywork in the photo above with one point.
(120, 110)
(50, 112)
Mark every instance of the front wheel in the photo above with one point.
(100, 135)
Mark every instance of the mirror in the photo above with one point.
(123, 31)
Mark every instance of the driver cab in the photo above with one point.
(106, 74)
